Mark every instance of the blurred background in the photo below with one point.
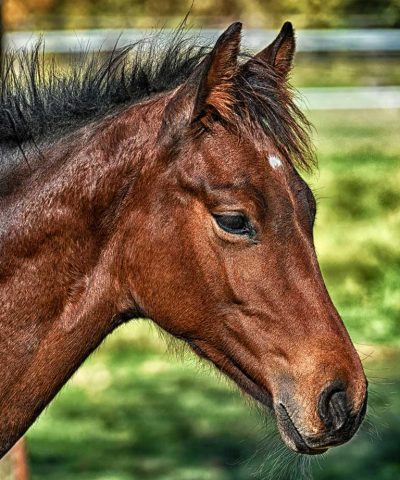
(136, 410)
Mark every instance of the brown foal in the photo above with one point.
(184, 206)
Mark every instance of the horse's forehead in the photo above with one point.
(259, 162)
(234, 153)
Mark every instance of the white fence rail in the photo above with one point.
(352, 40)
(350, 98)
(308, 41)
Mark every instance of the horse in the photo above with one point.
(166, 182)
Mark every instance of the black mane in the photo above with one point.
(41, 99)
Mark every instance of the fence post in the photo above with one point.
(14, 465)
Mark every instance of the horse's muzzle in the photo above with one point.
(339, 420)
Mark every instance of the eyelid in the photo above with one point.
(232, 211)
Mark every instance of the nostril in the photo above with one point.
(333, 406)
(338, 409)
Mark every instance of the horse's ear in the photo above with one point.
(209, 88)
(279, 54)
(215, 87)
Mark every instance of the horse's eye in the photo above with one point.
(235, 223)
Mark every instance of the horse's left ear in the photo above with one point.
(215, 86)
(208, 90)
(279, 54)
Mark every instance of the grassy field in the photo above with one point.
(135, 411)
(346, 70)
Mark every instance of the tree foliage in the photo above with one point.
(56, 14)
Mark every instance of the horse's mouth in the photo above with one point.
(315, 445)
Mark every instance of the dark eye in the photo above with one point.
(235, 223)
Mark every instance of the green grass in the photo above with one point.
(346, 70)
(133, 411)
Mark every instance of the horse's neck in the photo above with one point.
(54, 230)
(58, 298)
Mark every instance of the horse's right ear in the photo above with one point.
(208, 90)
(279, 54)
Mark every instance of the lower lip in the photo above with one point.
(312, 451)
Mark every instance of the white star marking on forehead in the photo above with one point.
(274, 161)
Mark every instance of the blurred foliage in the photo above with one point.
(60, 14)
(359, 218)
(6, 468)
